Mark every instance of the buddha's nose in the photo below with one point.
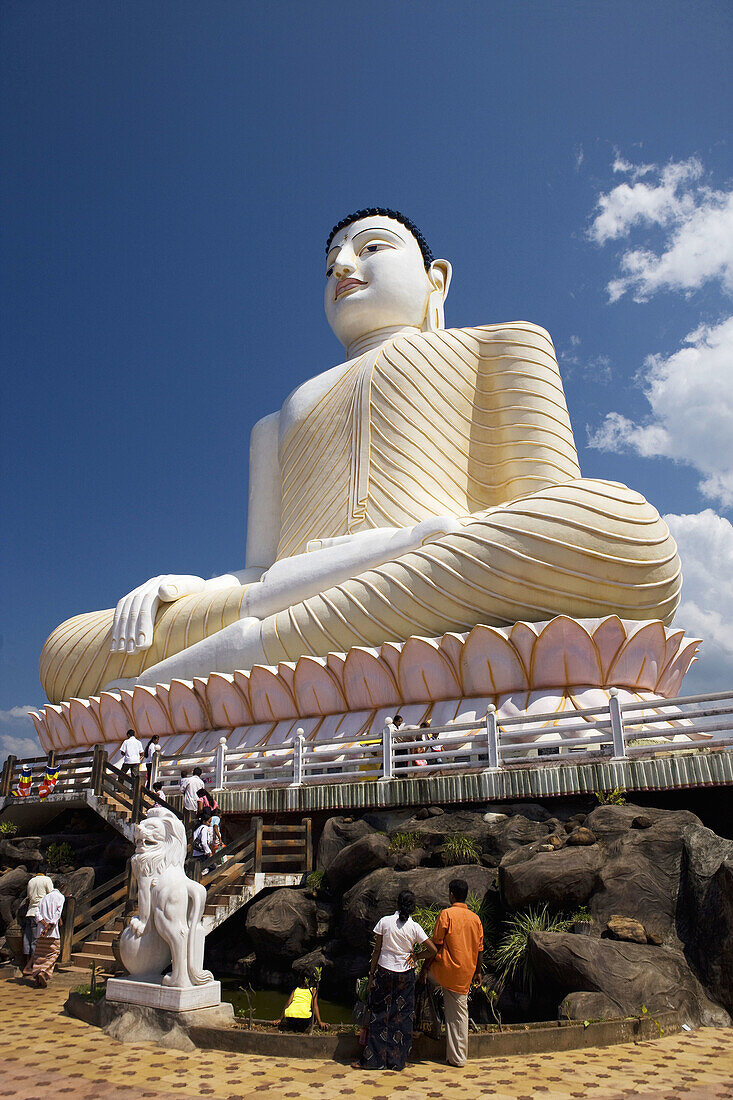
(345, 264)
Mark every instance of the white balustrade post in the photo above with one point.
(492, 736)
(387, 753)
(298, 755)
(220, 773)
(617, 725)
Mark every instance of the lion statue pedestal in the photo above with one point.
(168, 929)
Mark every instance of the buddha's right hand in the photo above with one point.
(132, 628)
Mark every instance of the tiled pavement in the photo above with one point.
(46, 1054)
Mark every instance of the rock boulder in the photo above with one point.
(356, 860)
(630, 975)
(706, 909)
(337, 833)
(287, 924)
(564, 879)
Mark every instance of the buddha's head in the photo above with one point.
(381, 274)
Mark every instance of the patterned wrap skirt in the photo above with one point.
(392, 1007)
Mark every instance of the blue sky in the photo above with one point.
(171, 171)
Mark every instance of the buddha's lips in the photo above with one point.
(347, 284)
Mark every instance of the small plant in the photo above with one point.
(580, 916)
(616, 797)
(400, 843)
(460, 848)
(8, 828)
(58, 854)
(512, 954)
(426, 916)
(314, 880)
(645, 1012)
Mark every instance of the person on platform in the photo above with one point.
(152, 749)
(132, 751)
(302, 1006)
(399, 942)
(38, 886)
(48, 942)
(459, 938)
(158, 789)
(203, 837)
(191, 787)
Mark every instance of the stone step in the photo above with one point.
(97, 949)
(83, 961)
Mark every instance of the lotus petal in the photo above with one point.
(669, 682)
(523, 637)
(425, 673)
(184, 706)
(316, 689)
(564, 655)
(451, 646)
(227, 704)
(113, 718)
(489, 664)
(83, 723)
(149, 712)
(608, 637)
(39, 722)
(269, 697)
(59, 732)
(390, 654)
(286, 672)
(368, 683)
(641, 659)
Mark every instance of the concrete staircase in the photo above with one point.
(99, 951)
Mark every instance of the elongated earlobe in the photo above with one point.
(435, 316)
(439, 274)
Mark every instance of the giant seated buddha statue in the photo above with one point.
(427, 483)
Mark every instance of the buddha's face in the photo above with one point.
(376, 278)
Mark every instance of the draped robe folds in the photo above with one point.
(466, 423)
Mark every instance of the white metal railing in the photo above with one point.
(617, 731)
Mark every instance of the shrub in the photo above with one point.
(404, 842)
(460, 848)
(580, 916)
(512, 954)
(485, 909)
(58, 854)
(8, 828)
(314, 881)
(426, 916)
(616, 797)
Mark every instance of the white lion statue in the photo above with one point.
(168, 928)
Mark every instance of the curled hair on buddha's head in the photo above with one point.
(383, 212)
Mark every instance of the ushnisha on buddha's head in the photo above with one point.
(380, 274)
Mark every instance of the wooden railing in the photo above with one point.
(271, 848)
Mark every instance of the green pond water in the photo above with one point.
(268, 1004)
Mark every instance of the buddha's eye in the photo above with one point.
(376, 247)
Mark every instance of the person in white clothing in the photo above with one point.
(190, 787)
(36, 890)
(400, 942)
(48, 944)
(132, 752)
(152, 749)
(203, 838)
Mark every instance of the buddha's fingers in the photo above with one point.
(142, 617)
(174, 586)
(125, 617)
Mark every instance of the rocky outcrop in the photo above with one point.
(356, 860)
(494, 837)
(587, 1006)
(564, 879)
(376, 894)
(705, 912)
(337, 833)
(287, 924)
(633, 977)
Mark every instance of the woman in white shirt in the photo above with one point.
(151, 749)
(400, 942)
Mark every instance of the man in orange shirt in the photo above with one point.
(459, 937)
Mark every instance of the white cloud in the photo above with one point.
(705, 543)
(696, 221)
(17, 733)
(691, 419)
(639, 203)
